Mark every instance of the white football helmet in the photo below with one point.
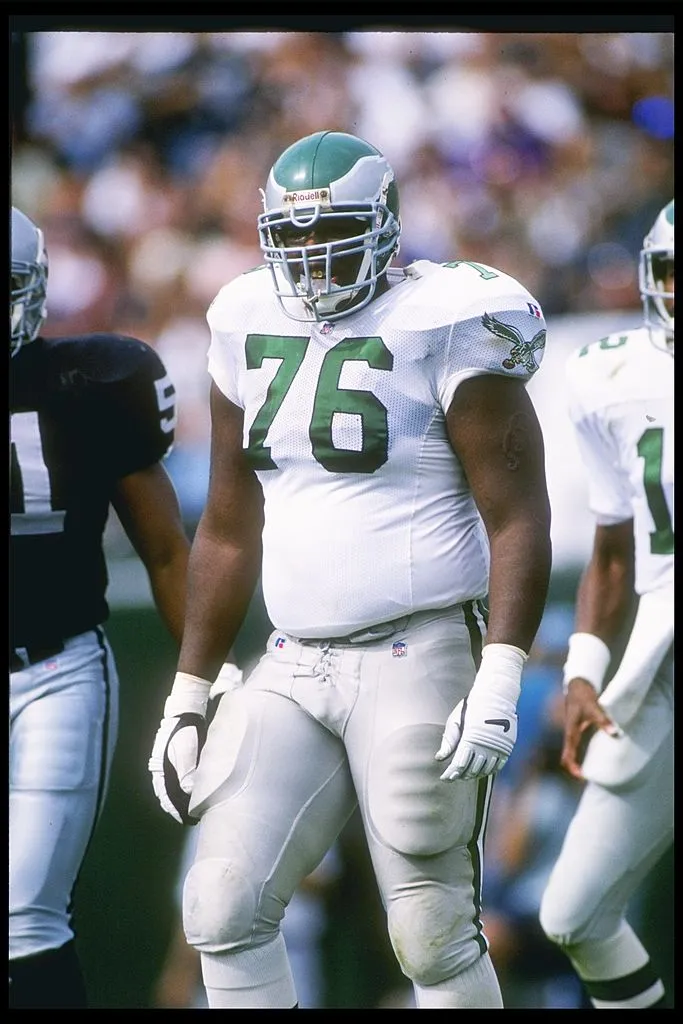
(27, 309)
(330, 225)
(655, 274)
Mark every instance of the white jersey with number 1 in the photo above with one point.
(622, 406)
(369, 516)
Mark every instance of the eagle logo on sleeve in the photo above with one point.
(522, 352)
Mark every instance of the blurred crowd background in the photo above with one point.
(546, 155)
(141, 155)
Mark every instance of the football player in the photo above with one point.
(375, 449)
(92, 418)
(622, 408)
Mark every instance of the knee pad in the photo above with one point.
(219, 905)
(563, 921)
(432, 934)
(411, 810)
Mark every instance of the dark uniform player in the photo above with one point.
(91, 419)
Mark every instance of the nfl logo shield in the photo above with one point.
(399, 649)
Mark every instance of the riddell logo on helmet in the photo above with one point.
(308, 195)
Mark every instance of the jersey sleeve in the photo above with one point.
(608, 489)
(136, 405)
(609, 497)
(501, 331)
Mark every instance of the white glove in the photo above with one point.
(482, 728)
(229, 678)
(178, 743)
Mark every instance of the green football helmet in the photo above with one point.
(330, 225)
(655, 270)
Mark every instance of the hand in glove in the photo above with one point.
(178, 743)
(482, 728)
(229, 678)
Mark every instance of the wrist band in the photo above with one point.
(188, 694)
(500, 670)
(504, 650)
(588, 658)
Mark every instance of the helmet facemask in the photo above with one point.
(330, 260)
(28, 282)
(655, 273)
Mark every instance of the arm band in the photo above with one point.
(501, 670)
(189, 695)
(588, 658)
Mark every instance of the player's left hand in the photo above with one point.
(482, 728)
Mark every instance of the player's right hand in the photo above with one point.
(173, 762)
(178, 744)
(583, 714)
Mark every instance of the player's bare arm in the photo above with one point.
(223, 568)
(147, 506)
(604, 603)
(225, 559)
(495, 433)
(605, 595)
(494, 430)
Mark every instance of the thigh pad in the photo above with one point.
(410, 808)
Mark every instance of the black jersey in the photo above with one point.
(85, 411)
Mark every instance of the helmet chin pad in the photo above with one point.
(337, 301)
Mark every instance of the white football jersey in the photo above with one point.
(621, 404)
(368, 515)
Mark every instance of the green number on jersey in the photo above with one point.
(604, 345)
(650, 450)
(291, 351)
(484, 272)
(329, 401)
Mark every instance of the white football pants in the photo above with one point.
(63, 726)
(614, 839)
(317, 726)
